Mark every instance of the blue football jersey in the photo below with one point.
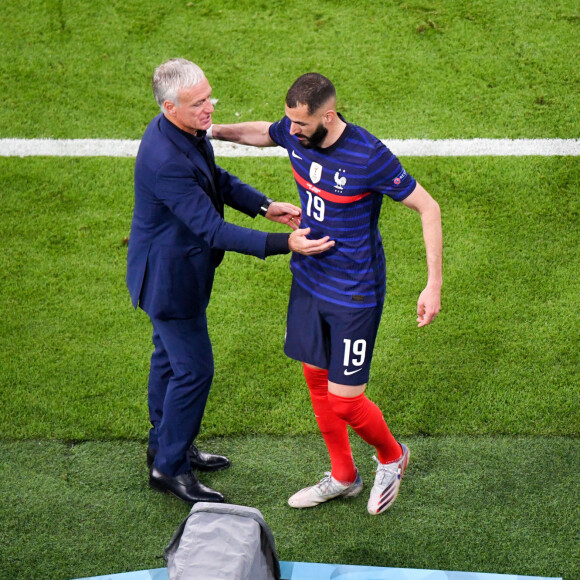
(341, 190)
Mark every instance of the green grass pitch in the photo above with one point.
(487, 397)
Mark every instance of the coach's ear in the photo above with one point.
(169, 107)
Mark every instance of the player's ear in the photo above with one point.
(329, 116)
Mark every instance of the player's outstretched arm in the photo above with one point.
(254, 133)
(429, 303)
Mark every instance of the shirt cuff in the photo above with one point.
(277, 244)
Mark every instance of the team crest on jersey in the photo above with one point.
(339, 180)
(315, 172)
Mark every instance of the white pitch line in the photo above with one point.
(401, 147)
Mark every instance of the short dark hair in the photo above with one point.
(312, 90)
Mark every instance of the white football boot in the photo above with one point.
(326, 489)
(387, 482)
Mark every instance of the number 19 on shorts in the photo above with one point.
(354, 352)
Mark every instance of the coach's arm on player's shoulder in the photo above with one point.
(429, 303)
(254, 133)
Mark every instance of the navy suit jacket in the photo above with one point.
(178, 234)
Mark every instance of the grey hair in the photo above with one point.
(173, 75)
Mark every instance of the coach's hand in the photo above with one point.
(284, 213)
(298, 242)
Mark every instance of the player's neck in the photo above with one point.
(335, 130)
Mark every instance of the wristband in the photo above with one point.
(265, 205)
(209, 132)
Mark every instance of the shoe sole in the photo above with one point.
(163, 490)
(204, 469)
(158, 488)
(212, 469)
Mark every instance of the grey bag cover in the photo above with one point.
(222, 542)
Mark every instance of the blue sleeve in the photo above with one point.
(387, 176)
(178, 188)
(278, 130)
(237, 194)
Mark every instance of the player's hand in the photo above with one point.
(284, 213)
(428, 305)
(298, 242)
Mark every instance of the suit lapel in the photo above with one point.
(194, 155)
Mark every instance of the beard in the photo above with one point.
(315, 139)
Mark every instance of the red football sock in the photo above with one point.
(333, 429)
(368, 422)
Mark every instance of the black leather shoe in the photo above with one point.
(198, 459)
(185, 487)
(207, 461)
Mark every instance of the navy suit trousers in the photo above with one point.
(180, 378)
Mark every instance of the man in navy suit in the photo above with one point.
(178, 238)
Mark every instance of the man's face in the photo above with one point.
(193, 112)
(309, 129)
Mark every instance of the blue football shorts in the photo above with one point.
(330, 336)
